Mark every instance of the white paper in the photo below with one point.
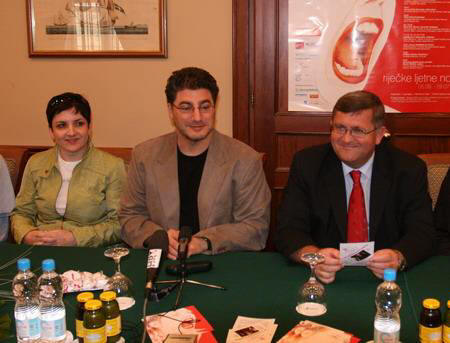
(356, 254)
(265, 329)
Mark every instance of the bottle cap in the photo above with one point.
(108, 296)
(390, 274)
(48, 265)
(85, 296)
(431, 303)
(93, 305)
(448, 303)
(23, 264)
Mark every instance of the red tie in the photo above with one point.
(356, 216)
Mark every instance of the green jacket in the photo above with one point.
(92, 200)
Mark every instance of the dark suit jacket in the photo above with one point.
(442, 217)
(314, 210)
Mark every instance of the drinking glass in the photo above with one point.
(311, 296)
(120, 283)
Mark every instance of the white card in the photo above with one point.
(356, 254)
(252, 330)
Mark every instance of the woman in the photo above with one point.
(6, 199)
(69, 194)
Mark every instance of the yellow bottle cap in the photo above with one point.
(431, 303)
(108, 296)
(85, 296)
(93, 305)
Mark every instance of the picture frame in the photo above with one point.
(97, 28)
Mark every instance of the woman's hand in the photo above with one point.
(54, 237)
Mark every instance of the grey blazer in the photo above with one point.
(233, 198)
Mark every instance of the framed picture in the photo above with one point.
(114, 28)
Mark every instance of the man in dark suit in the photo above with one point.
(395, 206)
(442, 217)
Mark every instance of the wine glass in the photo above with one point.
(120, 283)
(311, 296)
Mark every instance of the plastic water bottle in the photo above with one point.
(26, 310)
(53, 312)
(388, 300)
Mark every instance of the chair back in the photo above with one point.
(14, 157)
(437, 164)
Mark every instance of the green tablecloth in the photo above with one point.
(261, 285)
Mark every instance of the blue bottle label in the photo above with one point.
(28, 328)
(53, 328)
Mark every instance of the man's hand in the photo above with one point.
(54, 237)
(173, 243)
(382, 259)
(325, 271)
(197, 246)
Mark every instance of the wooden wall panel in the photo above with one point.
(420, 144)
(241, 70)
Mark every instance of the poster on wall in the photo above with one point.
(398, 49)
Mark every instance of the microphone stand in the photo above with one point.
(183, 279)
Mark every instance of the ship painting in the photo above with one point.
(93, 16)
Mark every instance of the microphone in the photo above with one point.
(158, 244)
(183, 241)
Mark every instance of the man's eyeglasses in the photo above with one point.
(341, 130)
(204, 108)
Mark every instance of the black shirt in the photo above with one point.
(190, 170)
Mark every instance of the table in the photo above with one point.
(259, 284)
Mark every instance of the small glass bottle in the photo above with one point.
(94, 322)
(82, 298)
(446, 331)
(112, 315)
(430, 326)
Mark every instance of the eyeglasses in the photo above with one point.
(59, 99)
(66, 98)
(204, 108)
(357, 132)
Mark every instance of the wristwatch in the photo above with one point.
(402, 261)
(208, 242)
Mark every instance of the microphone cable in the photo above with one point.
(144, 314)
(154, 295)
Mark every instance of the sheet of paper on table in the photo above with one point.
(311, 332)
(187, 320)
(247, 329)
(356, 254)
